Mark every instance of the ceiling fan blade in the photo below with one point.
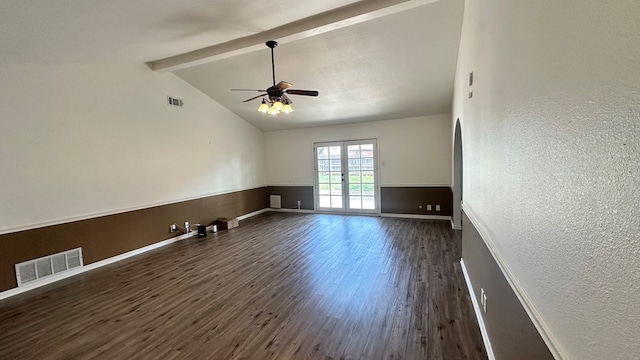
(248, 90)
(255, 97)
(302, 92)
(283, 85)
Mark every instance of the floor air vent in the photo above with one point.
(33, 270)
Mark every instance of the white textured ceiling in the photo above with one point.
(135, 30)
(379, 67)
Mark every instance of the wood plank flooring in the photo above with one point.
(281, 286)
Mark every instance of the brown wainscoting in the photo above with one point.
(107, 236)
(407, 200)
(291, 194)
(511, 331)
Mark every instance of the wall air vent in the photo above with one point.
(171, 101)
(33, 270)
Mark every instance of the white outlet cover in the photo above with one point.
(483, 300)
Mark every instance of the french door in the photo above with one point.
(346, 176)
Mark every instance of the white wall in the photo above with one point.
(413, 151)
(79, 140)
(551, 161)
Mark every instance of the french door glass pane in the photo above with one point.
(361, 176)
(325, 201)
(323, 165)
(367, 150)
(334, 152)
(368, 202)
(354, 164)
(367, 163)
(335, 165)
(368, 189)
(354, 151)
(330, 187)
(367, 177)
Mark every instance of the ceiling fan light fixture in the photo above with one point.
(273, 110)
(264, 107)
(277, 100)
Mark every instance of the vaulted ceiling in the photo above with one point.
(369, 59)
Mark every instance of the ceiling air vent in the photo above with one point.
(35, 269)
(171, 101)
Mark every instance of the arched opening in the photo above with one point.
(457, 177)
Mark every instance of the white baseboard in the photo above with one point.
(411, 216)
(405, 216)
(476, 309)
(301, 211)
(454, 226)
(553, 344)
(255, 213)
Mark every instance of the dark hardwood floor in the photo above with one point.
(281, 286)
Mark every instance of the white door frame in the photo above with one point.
(345, 182)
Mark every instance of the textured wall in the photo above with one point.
(412, 152)
(80, 140)
(551, 161)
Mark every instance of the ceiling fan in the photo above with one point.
(277, 93)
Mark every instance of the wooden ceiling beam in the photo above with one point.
(355, 13)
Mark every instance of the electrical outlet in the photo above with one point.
(485, 303)
(428, 207)
(483, 299)
(437, 207)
